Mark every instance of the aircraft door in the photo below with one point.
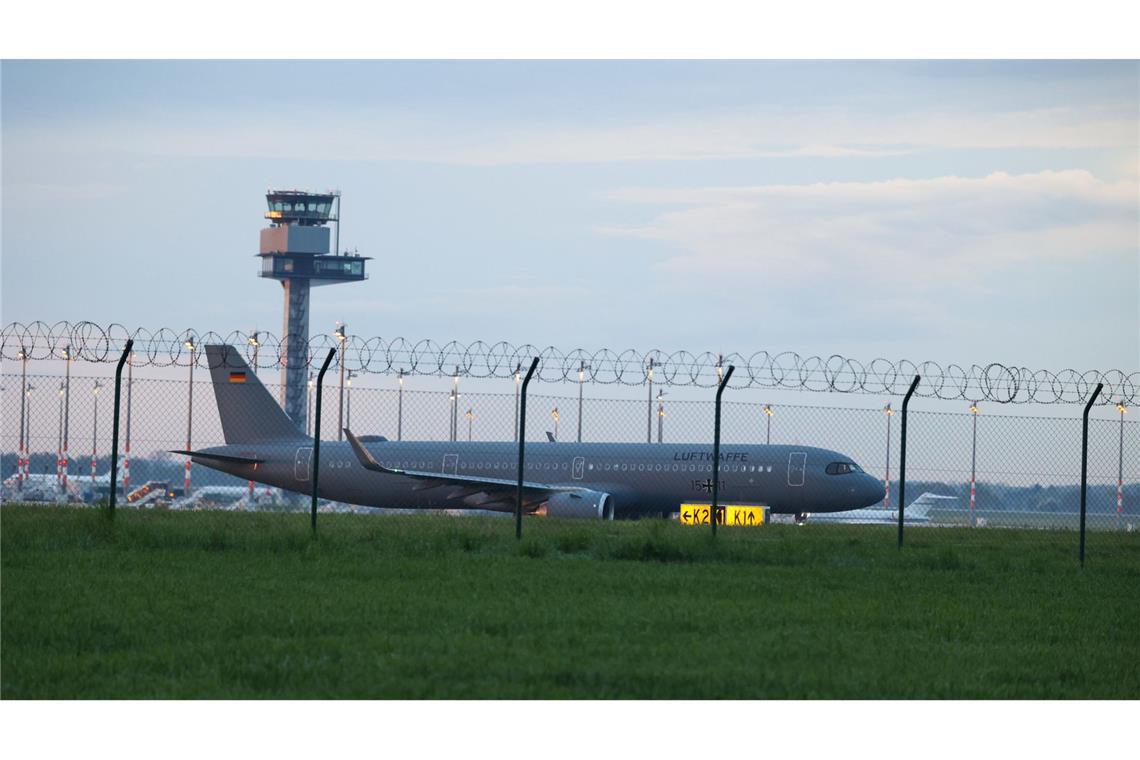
(578, 468)
(450, 464)
(797, 463)
(301, 465)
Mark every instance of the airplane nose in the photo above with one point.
(870, 490)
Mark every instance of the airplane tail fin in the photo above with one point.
(919, 508)
(248, 412)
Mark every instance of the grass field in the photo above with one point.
(225, 605)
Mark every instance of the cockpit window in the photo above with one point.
(842, 468)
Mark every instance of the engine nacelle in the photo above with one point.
(582, 504)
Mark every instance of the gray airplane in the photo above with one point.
(574, 480)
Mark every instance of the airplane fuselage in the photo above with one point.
(643, 479)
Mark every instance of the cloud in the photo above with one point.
(895, 239)
(478, 139)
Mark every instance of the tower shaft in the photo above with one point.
(295, 351)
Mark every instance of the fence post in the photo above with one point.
(1085, 462)
(902, 457)
(522, 445)
(115, 426)
(716, 449)
(317, 435)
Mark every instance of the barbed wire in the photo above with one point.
(995, 382)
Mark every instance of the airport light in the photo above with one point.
(95, 435)
(660, 415)
(343, 343)
(400, 408)
(255, 341)
(67, 357)
(556, 416)
(582, 367)
(470, 416)
(973, 461)
(1120, 407)
(768, 423)
(887, 473)
(189, 417)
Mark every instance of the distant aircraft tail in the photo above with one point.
(919, 508)
(247, 410)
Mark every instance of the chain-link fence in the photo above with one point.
(451, 453)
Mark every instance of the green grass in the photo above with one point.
(217, 605)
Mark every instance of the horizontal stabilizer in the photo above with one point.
(220, 457)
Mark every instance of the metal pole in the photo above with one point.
(455, 405)
(309, 405)
(348, 402)
(340, 402)
(66, 416)
(317, 437)
(649, 417)
(556, 416)
(470, 417)
(716, 450)
(902, 456)
(115, 427)
(581, 380)
(95, 436)
(1085, 462)
(974, 463)
(127, 442)
(400, 409)
(20, 462)
(189, 420)
(520, 436)
(768, 413)
(660, 416)
(28, 432)
(518, 373)
(59, 444)
(1120, 465)
(256, 343)
(887, 477)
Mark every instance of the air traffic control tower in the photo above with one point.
(295, 251)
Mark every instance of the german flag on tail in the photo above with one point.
(237, 377)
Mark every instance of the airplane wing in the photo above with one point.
(485, 493)
(229, 458)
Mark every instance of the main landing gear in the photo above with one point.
(801, 518)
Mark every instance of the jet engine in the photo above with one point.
(581, 504)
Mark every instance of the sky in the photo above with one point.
(968, 212)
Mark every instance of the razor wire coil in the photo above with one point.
(165, 347)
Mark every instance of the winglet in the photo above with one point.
(367, 461)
